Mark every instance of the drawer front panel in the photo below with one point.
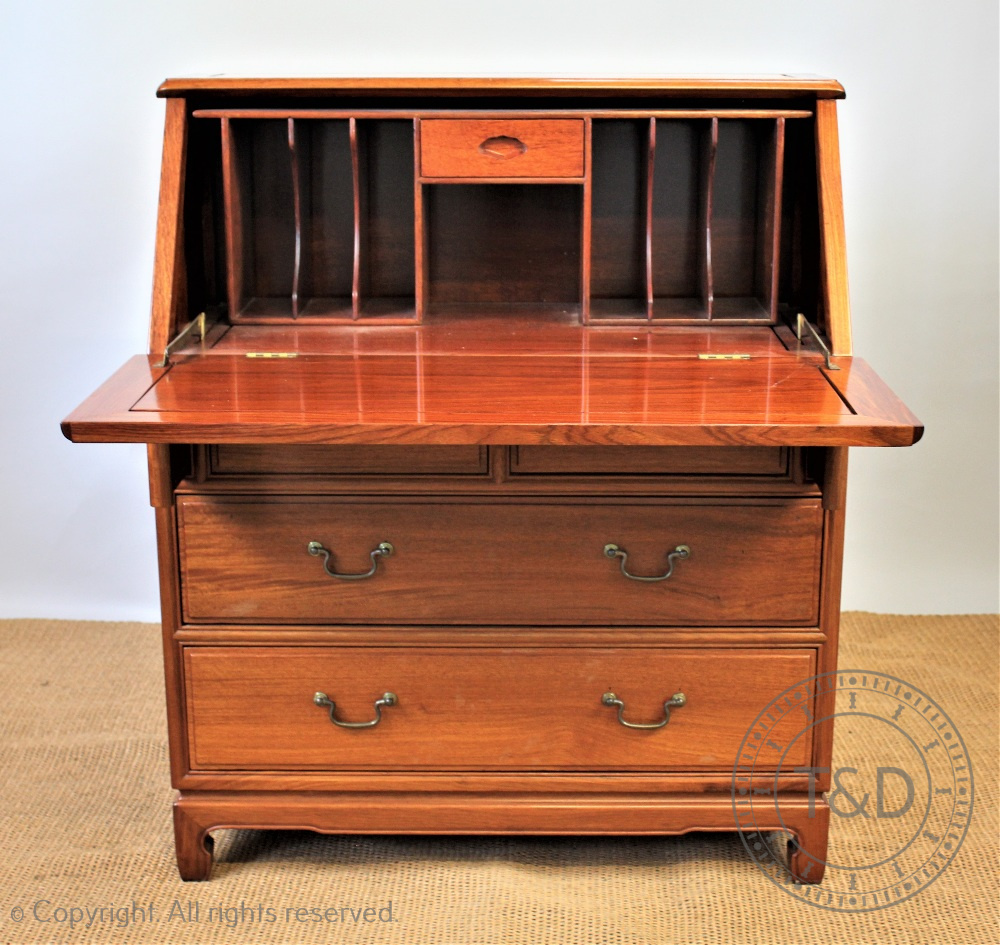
(247, 560)
(349, 460)
(649, 460)
(485, 708)
(483, 148)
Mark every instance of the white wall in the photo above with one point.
(79, 171)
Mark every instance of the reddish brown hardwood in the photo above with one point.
(499, 563)
(597, 112)
(192, 842)
(709, 153)
(648, 181)
(169, 287)
(251, 459)
(757, 86)
(161, 483)
(618, 471)
(833, 242)
(484, 709)
(195, 815)
(834, 502)
(587, 221)
(524, 147)
(487, 400)
(861, 387)
(648, 461)
(770, 232)
(499, 331)
(234, 226)
(497, 239)
(471, 317)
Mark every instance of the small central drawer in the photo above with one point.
(256, 707)
(484, 148)
(591, 561)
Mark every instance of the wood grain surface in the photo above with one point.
(756, 86)
(521, 147)
(504, 562)
(492, 399)
(649, 461)
(501, 324)
(533, 707)
(247, 459)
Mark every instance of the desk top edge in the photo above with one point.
(719, 85)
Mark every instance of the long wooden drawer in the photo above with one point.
(248, 560)
(253, 707)
(494, 147)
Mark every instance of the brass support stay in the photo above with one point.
(197, 326)
(802, 322)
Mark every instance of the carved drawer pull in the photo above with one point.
(503, 147)
(680, 552)
(384, 549)
(674, 702)
(388, 698)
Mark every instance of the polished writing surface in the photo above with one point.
(439, 398)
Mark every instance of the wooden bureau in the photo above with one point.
(498, 445)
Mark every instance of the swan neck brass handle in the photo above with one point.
(674, 702)
(388, 698)
(678, 554)
(384, 549)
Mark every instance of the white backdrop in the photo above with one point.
(79, 157)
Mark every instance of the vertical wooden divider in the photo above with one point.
(356, 190)
(708, 185)
(234, 219)
(585, 237)
(649, 183)
(297, 205)
(771, 214)
(419, 230)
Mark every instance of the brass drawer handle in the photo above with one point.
(385, 549)
(388, 698)
(674, 702)
(504, 147)
(680, 552)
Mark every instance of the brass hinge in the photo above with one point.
(272, 354)
(723, 357)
